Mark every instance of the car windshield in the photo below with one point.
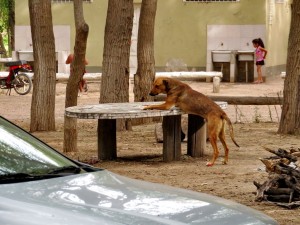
(21, 153)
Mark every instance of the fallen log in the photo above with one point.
(239, 100)
(272, 190)
(282, 154)
(279, 191)
(279, 198)
(271, 163)
(248, 100)
(288, 170)
(291, 205)
(262, 188)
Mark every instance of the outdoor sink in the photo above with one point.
(245, 55)
(26, 55)
(221, 56)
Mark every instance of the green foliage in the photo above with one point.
(5, 6)
(6, 26)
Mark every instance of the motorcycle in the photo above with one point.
(15, 79)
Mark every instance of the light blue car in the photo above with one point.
(40, 186)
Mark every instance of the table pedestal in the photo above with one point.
(172, 138)
(107, 139)
(196, 136)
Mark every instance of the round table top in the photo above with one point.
(126, 110)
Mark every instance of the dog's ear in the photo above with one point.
(166, 83)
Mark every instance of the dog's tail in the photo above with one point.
(224, 116)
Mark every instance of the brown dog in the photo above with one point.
(192, 102)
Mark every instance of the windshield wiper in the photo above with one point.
(22, 177)
(65, 170)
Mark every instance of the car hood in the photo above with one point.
(103, 197)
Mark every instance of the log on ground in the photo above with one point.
(239, 100)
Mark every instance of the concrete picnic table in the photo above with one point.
(108, 113)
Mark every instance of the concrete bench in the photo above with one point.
(215, 76)
(212, 75)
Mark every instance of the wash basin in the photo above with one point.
(245, 55)
(221, 55)
(26, 55)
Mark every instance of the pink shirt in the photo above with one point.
(259, 54)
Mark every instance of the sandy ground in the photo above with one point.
(140, 157)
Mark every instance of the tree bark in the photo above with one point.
(115, 74)
(145, 74)
(44, 85)
(77, 71)
(290, 117)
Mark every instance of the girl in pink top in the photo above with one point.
(82, 83)
(260, 53)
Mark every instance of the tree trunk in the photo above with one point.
(11, 27)
(145, 74)
(44, 84)
(77, 71)
(115, 74)
(2, 47)
(290, 117)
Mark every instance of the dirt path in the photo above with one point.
(139, 156)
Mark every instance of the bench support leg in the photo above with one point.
(196, 136)
(216, 84)
(172, 138)
(107, 139)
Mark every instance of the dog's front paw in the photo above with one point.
(209, 164)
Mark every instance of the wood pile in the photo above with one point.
(283, 185)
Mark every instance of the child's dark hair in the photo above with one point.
(259, 42)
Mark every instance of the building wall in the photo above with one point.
(278, 19)
(63, 14)
(180, 28)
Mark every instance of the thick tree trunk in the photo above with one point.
(290, 117)
(44, 84)
(115, 74)
(77, 70)
(145, 74)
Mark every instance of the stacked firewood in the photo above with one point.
(283, 185)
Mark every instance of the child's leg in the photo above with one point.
(84, 85)
(259, 73)
(80, 86)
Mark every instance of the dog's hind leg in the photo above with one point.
(222, 139)
(212, 133)
(213, 142)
